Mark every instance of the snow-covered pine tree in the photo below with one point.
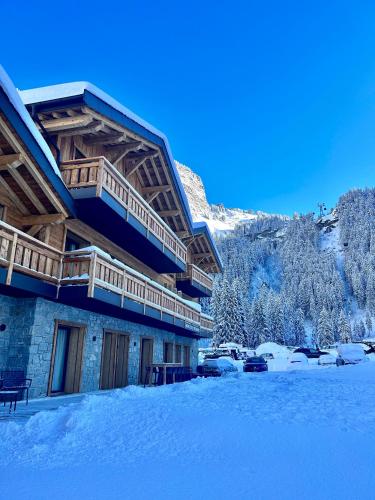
(344, 329)
(324, 334)
(368, 324)
(299, 328)
(359, 330)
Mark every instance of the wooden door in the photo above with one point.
(66, 363)
(186, 355)
(114, 372)
(147, 348)
(74, 361)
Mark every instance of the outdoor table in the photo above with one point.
(9, 397)
(164, 367)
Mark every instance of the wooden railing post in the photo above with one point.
(92, 271)
(12, 253)
(124, 286)
(99, 177)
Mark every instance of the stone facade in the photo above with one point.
(26, 343)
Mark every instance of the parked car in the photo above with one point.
(255, 364)
(368, 348)
(327, 359)
(310, 352)
(297, 360)
(350, 354)
(217, 367)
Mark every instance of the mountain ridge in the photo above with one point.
(219, 218)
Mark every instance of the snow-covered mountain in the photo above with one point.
(219, 218)
(302, 280)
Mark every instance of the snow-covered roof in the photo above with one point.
(75, 89)
(12, 94)
(202, 228)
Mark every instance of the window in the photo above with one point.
(168, 352)
(2, 212)
(177, 356)
(74, 242)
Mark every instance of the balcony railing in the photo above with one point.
(100, 173)
(21, 252)
(24, 254)
(97, 269)
(207, 322)
(193, 272)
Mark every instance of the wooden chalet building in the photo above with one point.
(101, 266)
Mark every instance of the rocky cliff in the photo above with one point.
(219, 218)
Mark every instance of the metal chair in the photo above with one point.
(15, 380)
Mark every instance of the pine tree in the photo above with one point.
(324, 329)
(359, 330)
(344, 330)
(299, 328)
(368, 324)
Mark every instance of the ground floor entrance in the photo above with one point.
(115, 356)
(147, 352)
(66, 364)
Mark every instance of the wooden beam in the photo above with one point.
(32, 168)
(34, 230)
(203, 255)
(123, 150)
(6, 160)
(106, 139)
(27, 190)
(31, 220)
(125, 146)
(12, 195)
(135, 162)
(168, 213)
(159, 189)
(152, 196)
(67, 123)
(93, 129)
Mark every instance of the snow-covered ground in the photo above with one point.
(285, 435)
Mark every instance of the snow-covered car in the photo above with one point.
(217, 367)
(277, 351)
(326, 359)
(268, 355)
(297, 360)
(350, 354)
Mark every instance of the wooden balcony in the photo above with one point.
(107, 202)
(195, 282)
(102, 278)
(27, 264)
(89, 278)
(207, 325)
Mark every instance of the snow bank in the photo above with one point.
(277, 350)
(197, 439)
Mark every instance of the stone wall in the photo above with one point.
(27, 341)
(17, 316)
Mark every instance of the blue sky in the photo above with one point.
(272, 103)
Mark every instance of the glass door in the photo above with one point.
(61, 354)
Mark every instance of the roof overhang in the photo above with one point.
(201, 228)
(20, 121)
(84, 93)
